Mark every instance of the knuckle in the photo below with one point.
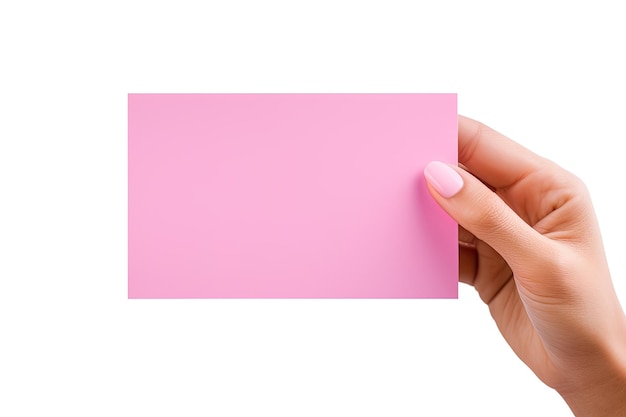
(570, 182)
(577, 185)
(490, 216)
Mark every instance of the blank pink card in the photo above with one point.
(289, 196)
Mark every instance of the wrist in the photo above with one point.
(599, 388)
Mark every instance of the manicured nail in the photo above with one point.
(443, 178)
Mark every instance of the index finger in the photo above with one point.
(491, 156)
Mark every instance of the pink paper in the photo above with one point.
(289, 196)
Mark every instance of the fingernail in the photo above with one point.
(443, 178)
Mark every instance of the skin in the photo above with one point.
(530, 245)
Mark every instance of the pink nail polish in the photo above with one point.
(443, 178)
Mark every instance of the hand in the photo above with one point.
(530, 245)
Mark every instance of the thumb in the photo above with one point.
(483, 213)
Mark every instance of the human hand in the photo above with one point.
(530, 244)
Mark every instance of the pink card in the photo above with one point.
(289, 196)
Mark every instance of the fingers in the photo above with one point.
(481, 212)
(481, 266)
(492, 157)
(468, 264)
(468, 257)
(466, 239)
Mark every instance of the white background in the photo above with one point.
(548, 74)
